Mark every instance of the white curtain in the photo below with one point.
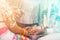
(30, 10)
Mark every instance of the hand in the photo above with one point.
(28, 28)
(34, 31)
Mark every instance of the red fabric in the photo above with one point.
(3, 30)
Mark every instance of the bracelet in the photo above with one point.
(25, 32)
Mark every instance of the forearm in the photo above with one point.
(14, 28)
(19, 30)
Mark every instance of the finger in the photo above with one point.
(33, 31)
(36, 32)
(28, 28)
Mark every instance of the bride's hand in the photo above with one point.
(33, 30)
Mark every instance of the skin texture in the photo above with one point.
(34, 30)
(11, 22)
(9, 15)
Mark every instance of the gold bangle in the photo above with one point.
(25, 32)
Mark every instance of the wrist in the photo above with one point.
(25, 32)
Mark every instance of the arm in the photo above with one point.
(9, 19)
(12, 25)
